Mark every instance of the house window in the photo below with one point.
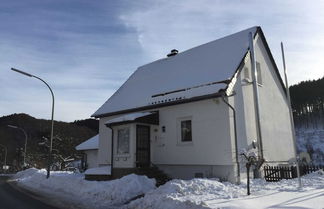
(246, 73)
(123, 141)
(258, 68)
(186, 131)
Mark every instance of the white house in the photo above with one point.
(177, 113)
(90, 149)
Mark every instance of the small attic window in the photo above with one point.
(258, 68)
(246, 73)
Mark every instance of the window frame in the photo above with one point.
(259, 73)
(117, 140)
(247, 74)
(179, 130)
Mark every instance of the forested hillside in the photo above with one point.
(308, 107)
(66, 137)
(308, 104)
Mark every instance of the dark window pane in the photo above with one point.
(186, 131)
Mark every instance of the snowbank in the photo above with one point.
(175, 194)
(104, 170)
(73, 189)
(209, 193)
(311, 141)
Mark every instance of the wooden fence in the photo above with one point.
(276, 173)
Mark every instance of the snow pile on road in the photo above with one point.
(210, 193)
(72, 188)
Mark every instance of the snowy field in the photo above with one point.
(176, 194)
(311, 141)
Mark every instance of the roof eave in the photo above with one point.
(155, 106)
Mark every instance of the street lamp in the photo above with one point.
(16, 127)
(5, 160)
(52, 125)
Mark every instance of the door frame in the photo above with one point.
(149, 145)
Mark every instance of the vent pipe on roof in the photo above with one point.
(173, 53)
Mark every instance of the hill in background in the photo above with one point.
(307, 99)
(66, 137)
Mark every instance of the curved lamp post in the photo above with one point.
(5, 160)
(25, 152)
(52, 126)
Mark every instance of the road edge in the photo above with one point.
(53, 202)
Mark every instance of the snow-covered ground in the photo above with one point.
(72, 191)
(312, 142)
(76, 192)
(208, 193)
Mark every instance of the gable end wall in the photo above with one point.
(274, 112)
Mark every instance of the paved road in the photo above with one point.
(13, 199)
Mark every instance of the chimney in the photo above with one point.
(173, 53)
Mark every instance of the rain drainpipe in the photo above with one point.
(235, 139)
(256, 100)
(112, 151)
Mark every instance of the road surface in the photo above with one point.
(10, 198)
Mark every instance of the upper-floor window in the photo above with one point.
(246, 73)
(123, 141)
(259, 72)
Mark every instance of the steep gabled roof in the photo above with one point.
(194, 73)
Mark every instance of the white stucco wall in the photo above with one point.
(274, 112)
(275, 125)
(92, 158)
(211, 143)
(104, 152)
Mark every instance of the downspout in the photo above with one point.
(112, 151)
(256, 98)
(238, 178)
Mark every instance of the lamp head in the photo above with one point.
(22, 72)
(11, 126)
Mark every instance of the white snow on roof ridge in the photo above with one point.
(92, 143)
(195, 47)
(214, 61)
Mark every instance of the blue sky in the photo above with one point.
(87, 49)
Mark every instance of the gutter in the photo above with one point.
(155, 106)
(238, 178)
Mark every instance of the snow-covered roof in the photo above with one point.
(192, 73)
(129, 117)
(103, 170)
(92, 143)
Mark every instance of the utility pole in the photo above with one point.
(291, 116)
